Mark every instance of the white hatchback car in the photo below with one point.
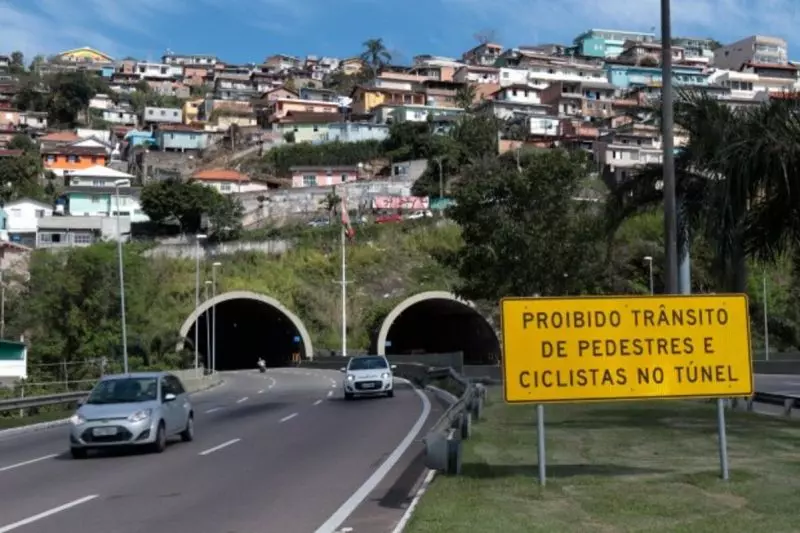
(368, 375)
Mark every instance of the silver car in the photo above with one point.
(137, 409)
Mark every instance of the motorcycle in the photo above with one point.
(262, 367)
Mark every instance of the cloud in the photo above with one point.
(50, 26)
(724, 20)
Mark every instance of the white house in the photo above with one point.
(227, 181)
(101, 101)
(125, 117)
(22, 219)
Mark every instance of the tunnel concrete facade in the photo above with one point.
(410, 302)
(305, 337)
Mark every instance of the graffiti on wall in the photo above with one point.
(408, 203)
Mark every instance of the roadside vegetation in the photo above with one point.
(634, 467)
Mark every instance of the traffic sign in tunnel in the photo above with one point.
(247, 326)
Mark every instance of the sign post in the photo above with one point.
(626, 348)
(540, 445)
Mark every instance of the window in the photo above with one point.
(309, 180)
(150, 111)
(73, 158)
(225, 187)
(344, 177)
(98, 183)
(163, 113)
(95, 199)
(39, 213)
(82, 238)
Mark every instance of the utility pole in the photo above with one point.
(667, 122)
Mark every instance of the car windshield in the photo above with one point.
(124, 390)
(368, 363)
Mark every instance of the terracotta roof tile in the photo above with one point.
(219, 174)
(60, 136)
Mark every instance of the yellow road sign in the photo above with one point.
(621, 348)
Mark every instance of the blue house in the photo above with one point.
(180, 138)
(92, 193)
(140, 138)
(350, 132)
(607, 43)
(626, 76)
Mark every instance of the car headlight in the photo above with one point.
(138, 416)
(76, 419)
(386, 375)
(350, 377)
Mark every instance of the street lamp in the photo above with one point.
(199, 237)
(766, 315)
(214, 268)
(208, 327)
(649, 260)
(117, 185)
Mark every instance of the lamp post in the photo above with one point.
(199, 237)
(667, 122)
(117, 185)
(441, 187)
(649, 260)
(766, 315)
(214, 268)
(208, 327)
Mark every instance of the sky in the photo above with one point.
(240, 31)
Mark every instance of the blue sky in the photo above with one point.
(250, 30)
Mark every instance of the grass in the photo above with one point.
(16, 421)
(632, 467)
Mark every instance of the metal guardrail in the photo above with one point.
(41, 401)
(74, 396)
(443, 443)
(787, 402)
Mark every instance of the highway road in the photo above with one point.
(277, 452)
(787, 384)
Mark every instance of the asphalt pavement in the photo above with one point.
(274, 452)
(786, 384)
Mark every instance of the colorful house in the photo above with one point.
(59, 159)
(322, 176)
(227, 181)
(83, 55)
(625, 76)
(91, 192)
(306, 127)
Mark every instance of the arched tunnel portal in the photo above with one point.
(438, 322)
(248, 326)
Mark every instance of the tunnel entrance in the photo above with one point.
(248, 326)
(438, 322)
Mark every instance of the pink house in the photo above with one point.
(322, 176)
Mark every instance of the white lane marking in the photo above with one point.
(214, 449)
(260, 392)
(240, 400)
(287, 418)
(377, 476)
(318, 402)
(49, 512)
(213, 410)
(401, 525)
(28, 462)
(333, 385)
(330, 393)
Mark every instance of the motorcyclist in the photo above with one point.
(262, 365)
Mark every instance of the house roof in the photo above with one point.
(88, 189)
(99, 171)
(179, 128)
(331, 169)
(11, 153)
(219, 174)
(75, 150)
(28, 201)
(60, 136)
(301, 117)
(280, 89)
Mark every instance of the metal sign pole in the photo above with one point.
(540, 446)
(723, 439)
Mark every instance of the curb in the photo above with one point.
(41, 426)
(406, 518)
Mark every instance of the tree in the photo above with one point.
(738, 177)
(225, 218)
(20, 177)
(466, 95)
(172, 201)
(523, 234)
(375, 55)
(17, 64)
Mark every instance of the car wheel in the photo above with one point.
(78, 453)
(348, 395)
(161, 439)
(187, 435)
(390, 394)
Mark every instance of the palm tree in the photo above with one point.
(738, 177)
(375, 55)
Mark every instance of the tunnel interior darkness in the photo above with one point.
(246, 329)
(443, 326)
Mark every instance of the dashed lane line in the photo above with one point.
(217, 448)
(28, 462)
(287, 418)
